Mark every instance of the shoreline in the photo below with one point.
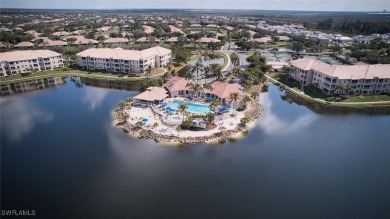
(219, 137)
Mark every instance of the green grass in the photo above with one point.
(73, 72)
(225, 58)
(370, 98)
(317, 93)
(272, 45)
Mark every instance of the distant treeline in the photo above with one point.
(352, 26)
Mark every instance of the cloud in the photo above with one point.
(94, 97)
(19, 117)
(271, 123)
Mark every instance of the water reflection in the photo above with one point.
(119, 84)
(20, 116)
(272, 122)
(94, 97)
(31, 85)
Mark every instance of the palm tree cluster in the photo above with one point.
(343, 90)
(234, 59)
(212, 69)
(234, 98)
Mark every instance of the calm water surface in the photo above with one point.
(61, 156)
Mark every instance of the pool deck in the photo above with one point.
(224, 120)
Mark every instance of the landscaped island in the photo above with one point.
(186, 112)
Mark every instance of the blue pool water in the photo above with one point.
(191, 107)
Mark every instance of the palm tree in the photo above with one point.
(197, 88)
(183, 107)
(169, 66)
(206, 72)
(246, 99)
(237, 72)
(148, 71)
(339, 89)
(155, 125)
(234, 58)
(197, 67)
(190, 86)
(222, 128)
(210, 117)
(214, 104)
(178, 129)
(217, 70)
(347, 89)
(122, 104)
(139, 124)
(244, 121)
(234, 97)
(255, 94)
(125, 117)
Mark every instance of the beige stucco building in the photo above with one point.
(125, 61)
(26, 61)
(361, 79)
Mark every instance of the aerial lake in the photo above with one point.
(62, 157)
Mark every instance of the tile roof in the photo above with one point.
(116, 40)
(344, 71)
(207, 40)
(223, 90)
(176, 84)
(24, 44)
(26, 55)
(119, 53)
(152, 94)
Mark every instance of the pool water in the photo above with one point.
(191, 107)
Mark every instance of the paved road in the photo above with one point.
(242, 56)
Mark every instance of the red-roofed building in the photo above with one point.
(178, 87)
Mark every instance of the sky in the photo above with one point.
(304, 5)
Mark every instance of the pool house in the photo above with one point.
(152, 95)
(178, 87)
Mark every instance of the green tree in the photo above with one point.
(197, 68)
(210, 117)
(183, 107)
(178, 129)
(246, 99)
(214, 104)
(233, 98)
(297, 47)
(244, 121)
(234, 59)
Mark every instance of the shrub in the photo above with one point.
(241, 108)
(186, 124)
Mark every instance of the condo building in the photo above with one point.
(360, 79)
(121, 60)
(26, 61)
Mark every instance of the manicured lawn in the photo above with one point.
(272, 45)
(155, 71)
(76, 72)
(370, 98)
(282, 77)
(225, 58)
(317, 93)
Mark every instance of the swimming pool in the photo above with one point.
(191, 107)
